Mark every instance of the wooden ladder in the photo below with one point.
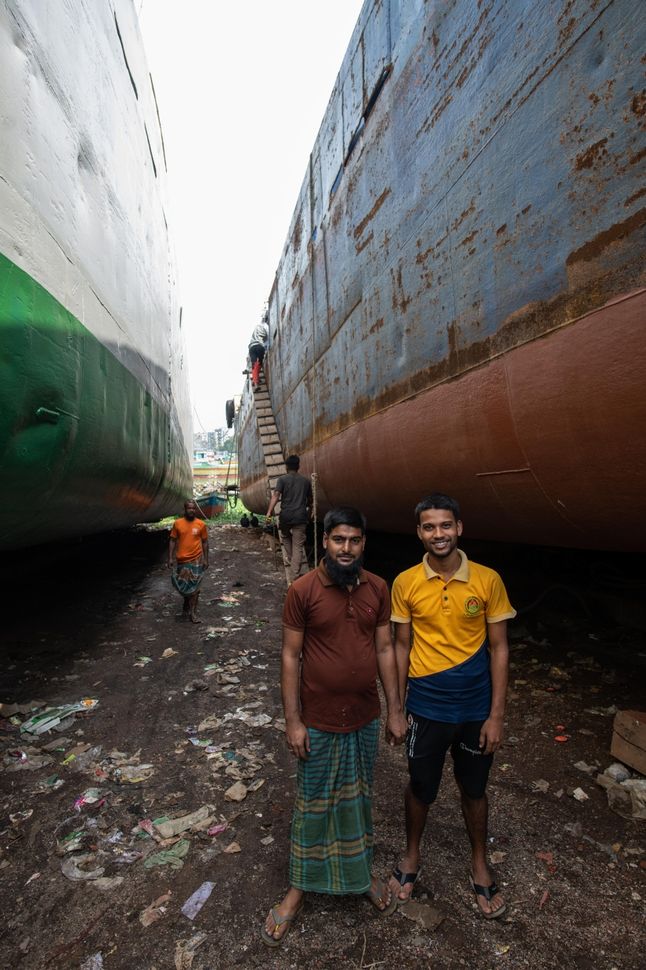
(271, 448)
(269, 440)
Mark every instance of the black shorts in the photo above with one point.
(426, 745)
(256, 352)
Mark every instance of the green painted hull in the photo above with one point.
(85, 445)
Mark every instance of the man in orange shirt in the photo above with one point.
(189, 547)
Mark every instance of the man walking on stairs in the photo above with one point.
(294, 492)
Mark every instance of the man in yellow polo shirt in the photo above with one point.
(454, 669)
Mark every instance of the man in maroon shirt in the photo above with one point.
(336, 641)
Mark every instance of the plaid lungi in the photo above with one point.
(187, 576)
(331, 839)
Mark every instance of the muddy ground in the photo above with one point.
(572, 871)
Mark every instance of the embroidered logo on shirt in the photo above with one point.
(473, 606)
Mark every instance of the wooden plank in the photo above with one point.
(629, 739)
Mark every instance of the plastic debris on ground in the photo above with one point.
(236, 793)
(172, 827)
(155, 910)
(26, 759)
(10, 710)
(52, 717)
(217, 829)
(95, 962)
(196, 901)
(173, 857)
(185, 951)
(71, 868)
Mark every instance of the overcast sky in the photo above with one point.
(242, 88)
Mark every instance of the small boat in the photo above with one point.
(211, 504)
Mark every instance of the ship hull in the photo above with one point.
(465, 311)
(94, 410)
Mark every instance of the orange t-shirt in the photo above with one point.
(189, 537)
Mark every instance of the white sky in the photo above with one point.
(242, 86)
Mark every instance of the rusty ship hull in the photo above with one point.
(460, 304)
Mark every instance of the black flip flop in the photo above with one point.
(403, 878)
(488, 892)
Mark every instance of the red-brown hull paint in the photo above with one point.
(494, 438)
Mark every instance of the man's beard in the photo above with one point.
(343, 575)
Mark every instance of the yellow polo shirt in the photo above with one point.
(449, 675)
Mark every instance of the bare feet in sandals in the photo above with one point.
(490, 902)
(403, 879)
(280, 918)
(380, 896)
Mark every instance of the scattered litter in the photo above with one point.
(71, 868)
(26, 759)
(185, 951)
(173, 827)
(156, 910)
(90, 797)
(10, 710)
(237, 792)
(173, 857)
(218, 829)
(128, 857)
(143, 661)
(210, 723)
(544, 898)
(195, 685)
(253, 720)
(267, 840)
(132, 774)
(497, 857)
(36, 875)
(94, 962)
(82, 757)
(106, 883)
(168, 652)
(52, 717)
(628, 798)
(617, 772)
(588, 769)
(194, 903)
(580, 795)
(17, 817)
(200, 742)
(71, 843)
(232, 848)
(540, 785)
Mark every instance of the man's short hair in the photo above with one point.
(344, 515)
(293, 463)
(437, 500)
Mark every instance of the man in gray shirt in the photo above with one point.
(294, 492)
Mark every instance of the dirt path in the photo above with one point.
(204, 713)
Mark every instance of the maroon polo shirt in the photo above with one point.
(339, 660)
